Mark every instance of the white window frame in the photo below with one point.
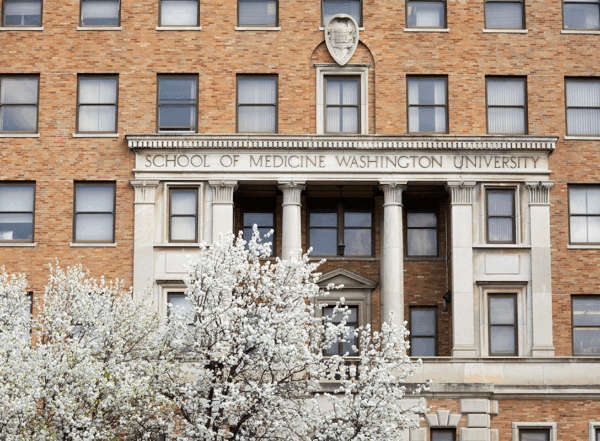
(594, 430)
(329, 69)
(165, 208)
(483, 212)
(526, 425)
(172, 287)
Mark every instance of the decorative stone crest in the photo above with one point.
(341, 37)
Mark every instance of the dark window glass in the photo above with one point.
(22, 13)
(421, 233)
(97, 104)
(443, 435)
(179, 13)
(503, 324)
(534, 435)
(257, 104)
(18, 104)
(501, 216)
(94, 212)
(257, 12)
(503, 14)
(353, 8)
(586, 325)
(581, 14)
(425, 14)
(100, 12)
(506, 105)
(583, 107)
(342, 113)
(427, 111)
(183, 215)
(264, 221)
(177, 104)
(17, 202)
(584, 214)
(344, 347)
(423, 331)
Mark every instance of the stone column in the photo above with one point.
(222, 207)
(144, 231)
(392, 256)
(463, 312)
(541, 274)
(291, 236)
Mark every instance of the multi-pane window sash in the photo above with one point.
(19, 96)
(534, 435)
(177, 103)
(586, 325)
(353, 8)
(179, 300)
(423, 331)
(17, 208)
(421, 233)
(500, 216)
(584, 214)
(100, 13)
(342, 104)
(427, 108)
(183, 215)
(502, 317)
(179, 13)
(443, 435)
(97, 104)
(94, 213)
(583, 106)
(22, 13)
(506, 105)
(425, 14)
(332, 222)
(258, 12)
(264, 219)
(504, 14)
(581, 14)
(343, 347)
(256, 104)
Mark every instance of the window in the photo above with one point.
(506, 105)
(443, 434)
(421, 233)
(17, 208)
(343, 347)
(581, 14)
(94, 217)
(100, 13)
(342, 114)
(183, 215)
(425, 14)
(584, 214)
(423, 332)
(258, 13)
(504, 14)
(177, 103)
(97, 104)
(179, 13)
(500, 216)
(502, 316)
(257, 104)
(534, 435)
(19, 104)
(340, 227)
(427, 109)
(583, 106)
(586, 325)
(353, 8)
(179, 300)
(22, 13)
(261, 215)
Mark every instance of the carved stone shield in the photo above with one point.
(341, 37)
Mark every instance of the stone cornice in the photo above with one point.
(350, 142)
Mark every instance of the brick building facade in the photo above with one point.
(455, 152)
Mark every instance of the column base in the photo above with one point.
(464, 351)
(542, 351)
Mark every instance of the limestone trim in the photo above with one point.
(163, 224)
(539, 192)
(291, 192)
(223, 191)
(442, 418)
(392, 192)
(535, 425)
(594, 430)
(461, 192)
(145, 191)
(350, 279)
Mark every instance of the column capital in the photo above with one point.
(291, 191)
(392, 192)
(461, 192)
(539, 192)
(145, 191)
(223, 191)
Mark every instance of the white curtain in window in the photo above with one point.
(503, 15)
(97, 90)
(100, 9)
(257, 12)
(97, 118)
(424, 91)
(256, 119)
(183, 202)
(506, 93)
(16, 197)
(94, 227)
(23, 7)
(97, 198)
(182, 302)
(18, 91)
(426, 14)
(583, 94)
(179, 13)
(257, 91)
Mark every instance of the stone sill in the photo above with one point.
(257, 28)
(177, 245)
(99, 28)
(178, 28)
(361, 29)
(95, 135)
(579, 31)
(502, 246)
(426, 30)
(343, 259)
(21, 28)
(93, 245)
(425, 259)
(18, 244)
(505, 31)
(558, 359)
(582, 247)
(19, 135)
(582, 138)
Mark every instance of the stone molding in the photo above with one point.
(461, 192)
(349, 142)
(145, 191)
(539, 192)
(392, 192)
(291, 192)
(357, 281)
(442, 418)
(223, 191)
